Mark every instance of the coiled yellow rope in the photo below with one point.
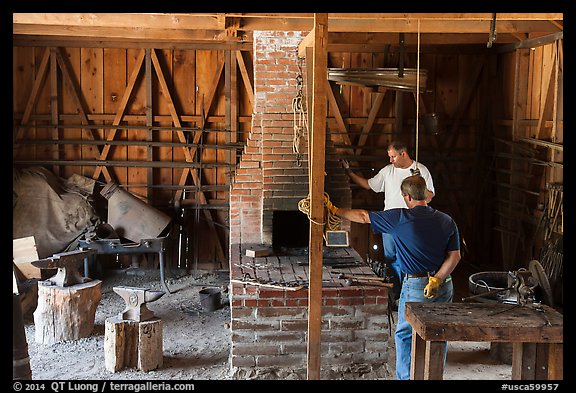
(331, 222)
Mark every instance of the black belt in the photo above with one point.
(417, 275)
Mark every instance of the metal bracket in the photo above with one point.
(492, 36)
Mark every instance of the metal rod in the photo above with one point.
(551, 145)
(128, 164)
(179, 187)
(492, 292)
(529, 159)
(123, 127)
(237, 146)
(508, 172)
(515, 188)
(492, 36)
(530, 151)
(531, 43)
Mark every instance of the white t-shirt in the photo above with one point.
(389, 179)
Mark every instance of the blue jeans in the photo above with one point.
(390, 259)
(413, 291)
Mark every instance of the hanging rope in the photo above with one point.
(298, 144)
(331, 222)
(300, 117)
(417, 93)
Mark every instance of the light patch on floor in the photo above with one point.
(472, 360)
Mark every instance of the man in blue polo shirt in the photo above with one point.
(428, 248)
(388, 181)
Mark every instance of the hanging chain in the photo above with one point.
(300, 118)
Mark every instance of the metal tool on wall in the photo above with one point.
(554, 210)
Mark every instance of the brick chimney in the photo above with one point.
(269, 324)
(269, 177)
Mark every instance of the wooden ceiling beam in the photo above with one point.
(138, 24)
(174, 30)
(411, 39)
(449, 16)
(440, 26)
(334, 17)
(559, 25)
(403, 25)
(306, 42)
(125, 20)
(122, 32)
(119, 42)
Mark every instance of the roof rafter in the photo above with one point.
(236, 28)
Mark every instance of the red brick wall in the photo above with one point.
(269, 177)
(269, 331)
(269, 326)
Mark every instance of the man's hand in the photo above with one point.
(345, 164)
(433, 285)
(331, 208)
(415, 172)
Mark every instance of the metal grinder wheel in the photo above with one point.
(540, 276)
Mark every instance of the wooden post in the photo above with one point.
(20, 359)
(66, 313)
(316, 184)
(149, 120)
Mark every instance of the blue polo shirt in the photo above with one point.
(423, 236)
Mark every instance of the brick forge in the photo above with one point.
(269, 325)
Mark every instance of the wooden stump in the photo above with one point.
(133, 344)
(66, 313)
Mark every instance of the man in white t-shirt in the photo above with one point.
(388, 181)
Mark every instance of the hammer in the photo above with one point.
(67, 264)
(350, 282)
(136, 299)
(352, 277)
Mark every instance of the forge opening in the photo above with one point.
(290, 229)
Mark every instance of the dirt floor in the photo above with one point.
(196, 342)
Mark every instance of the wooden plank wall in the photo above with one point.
(531, 82)
(473, 92)
(476, 180)
(456, 92)
(102, 76)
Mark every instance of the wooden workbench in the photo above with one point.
(537, 345)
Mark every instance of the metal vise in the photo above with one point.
(67, 264)
(136, 299)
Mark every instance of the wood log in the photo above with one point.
(150, 351)
(119, 348)
(66, 313)
(133, 344)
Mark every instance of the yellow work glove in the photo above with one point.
(430, 289)
(331, 208)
